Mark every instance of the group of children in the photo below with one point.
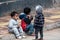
(26, 26)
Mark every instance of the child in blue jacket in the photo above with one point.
(27, 19)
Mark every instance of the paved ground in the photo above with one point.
(48, 35)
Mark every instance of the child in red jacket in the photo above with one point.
(23, 24)
(26, 21)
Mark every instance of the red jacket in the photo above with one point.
(23, 24)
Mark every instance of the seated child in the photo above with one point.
(13, 26)
(26, 21)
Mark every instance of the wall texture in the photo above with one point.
(6, 7)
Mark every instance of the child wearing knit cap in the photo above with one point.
(39, 22)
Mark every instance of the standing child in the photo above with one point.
(39, 22)
(13, 26)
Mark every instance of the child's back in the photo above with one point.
(39, 22)
(39, 18)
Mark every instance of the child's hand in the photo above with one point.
(19, 25)
(28, 16)
(31, 17)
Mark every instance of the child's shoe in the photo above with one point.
(35, 39)
(24, 36)
(40, 39)
(20, 37)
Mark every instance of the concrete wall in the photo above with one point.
(8, 6)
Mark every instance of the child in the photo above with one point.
(39, 22)
(26, 21)
(13, 26)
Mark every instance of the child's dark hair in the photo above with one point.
(13, 13)
(27, 10)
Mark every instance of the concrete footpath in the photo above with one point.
(48, 35)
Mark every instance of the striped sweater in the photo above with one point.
(39, 20)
